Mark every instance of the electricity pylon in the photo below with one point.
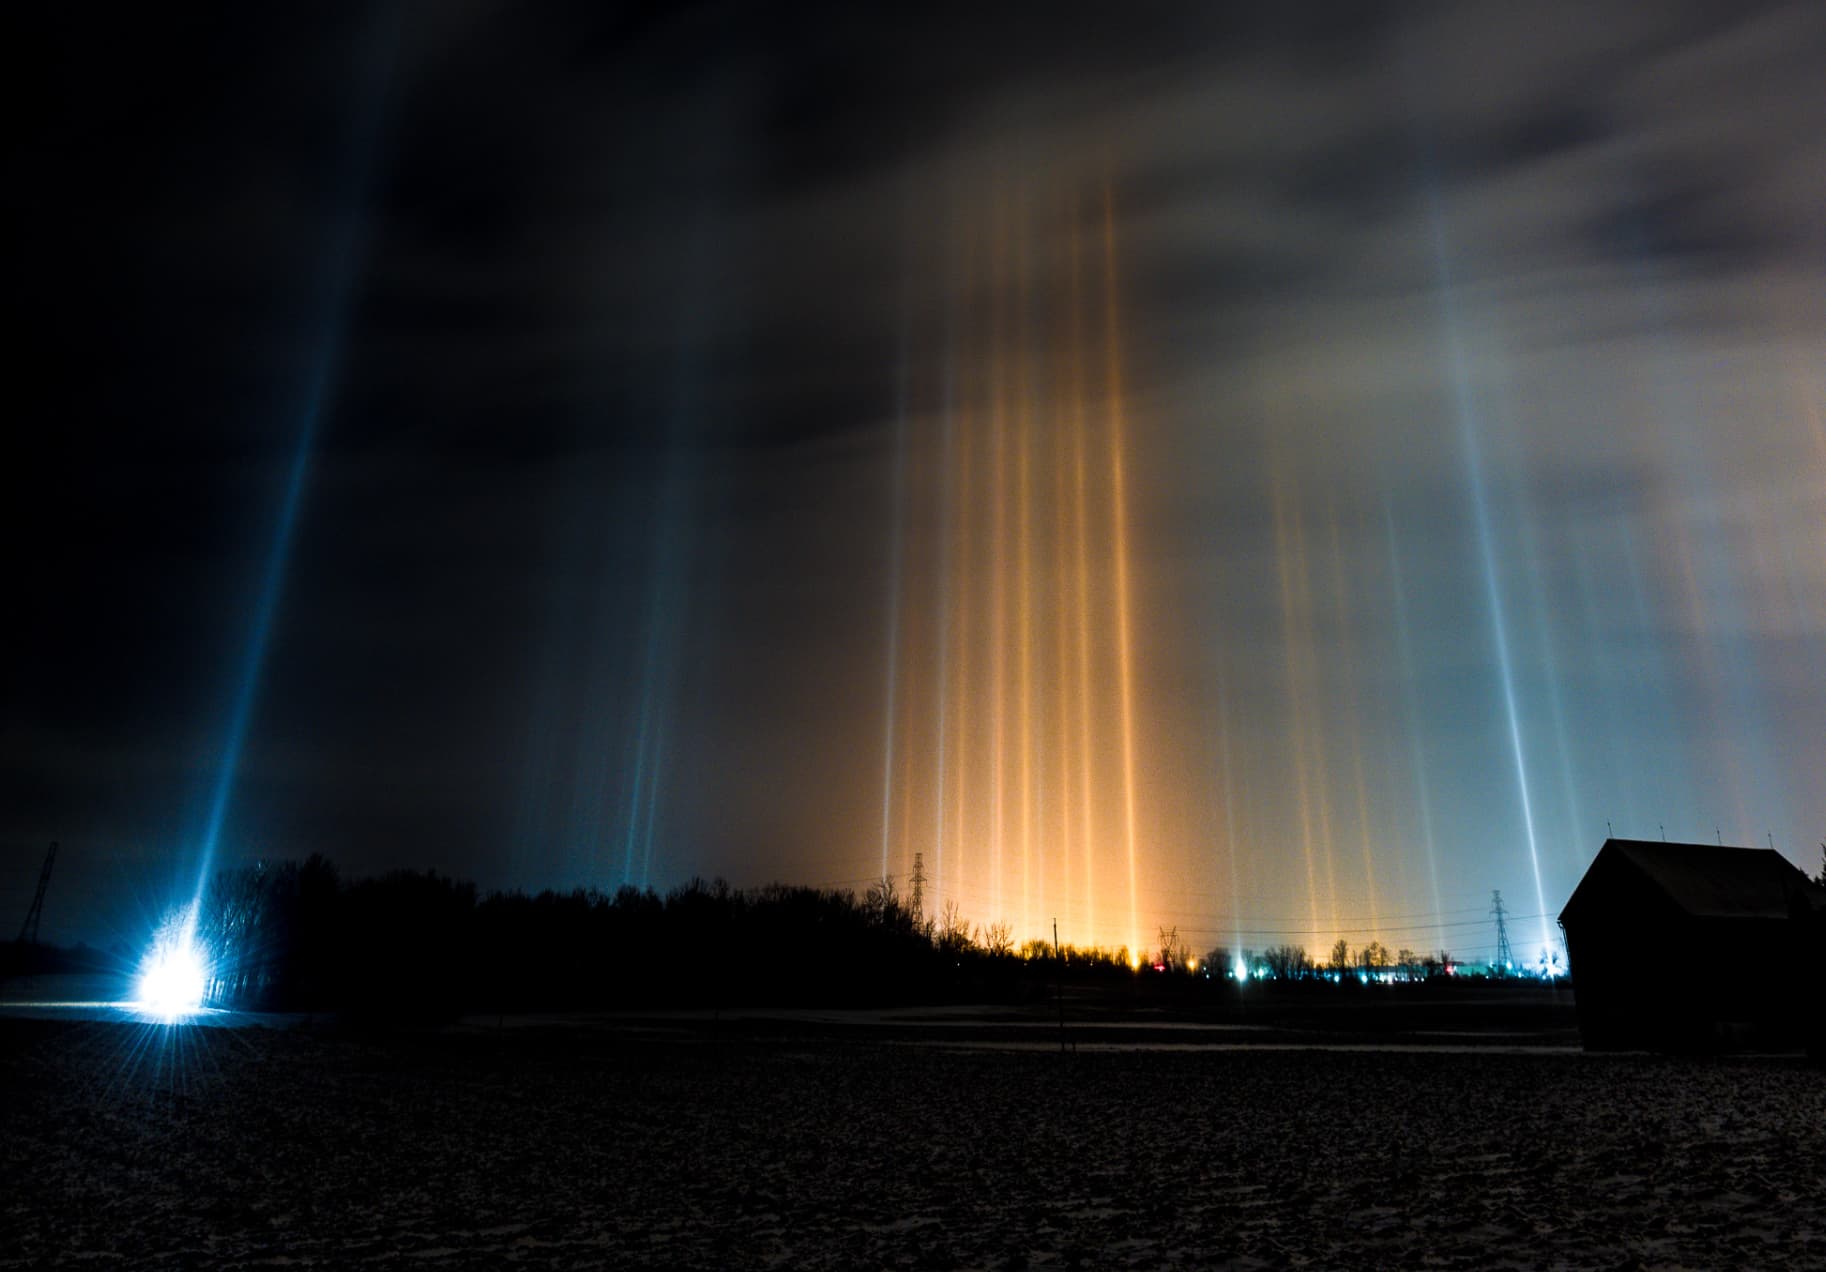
(28, 931)
(1504, 959)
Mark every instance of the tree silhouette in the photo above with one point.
(998, 939)
(1287, 962)
(952, 934)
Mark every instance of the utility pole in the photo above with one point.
(1058, 982)
(919, 886)
(1503, 956)
(28, 931)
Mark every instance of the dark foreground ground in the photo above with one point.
(768, 1144)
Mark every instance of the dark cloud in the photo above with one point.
(637, 292)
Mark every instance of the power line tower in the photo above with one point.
(1505, 959)
(919, 886)
(28, 931)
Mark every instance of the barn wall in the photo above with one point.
(1647, 982)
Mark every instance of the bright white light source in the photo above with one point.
(171, 980)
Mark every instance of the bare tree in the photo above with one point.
(1340, 956)
(1408, 962)
(998, 938)
(882, 899)
(1287, 962)
(953, 932)
(230, 921)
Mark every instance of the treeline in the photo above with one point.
(298, 937)
(1292, 962)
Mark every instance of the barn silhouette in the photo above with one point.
(1692, 947)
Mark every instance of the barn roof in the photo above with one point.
(1708, 881)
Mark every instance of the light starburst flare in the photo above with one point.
(173, 976)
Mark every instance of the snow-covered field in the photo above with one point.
(553, 1147)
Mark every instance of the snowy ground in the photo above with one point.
(552, 1147)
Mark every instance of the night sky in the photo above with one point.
(601, 404)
